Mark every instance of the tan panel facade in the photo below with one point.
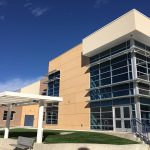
(74, 80)
(30, 110)
(33, 88)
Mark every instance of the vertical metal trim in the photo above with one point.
(135, 85)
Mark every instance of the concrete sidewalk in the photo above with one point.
(4, 145)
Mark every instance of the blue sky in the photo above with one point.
(32, 32)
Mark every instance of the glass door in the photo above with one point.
(122, 118)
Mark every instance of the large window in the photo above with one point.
(143, 66)
(5, 115)
(102, 115)
(52, 113)
(101, 118)
(113, 71)
(142, 46)
(144, 88)
(112, 91)
(106, 53)
(111, 82)
(53, 84)
(145, 110)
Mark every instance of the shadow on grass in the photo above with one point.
(51, 136)
(29, 134)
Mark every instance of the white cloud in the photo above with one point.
(3, 3)
(99, 3)
(36, 11)
(2, 17)
(16, 83)
(29, 4)
(39, 11)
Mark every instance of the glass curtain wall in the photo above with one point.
(143, 74)
(111, 78)
(52, 113)
(53, 84)
(110, 84)
(53, 90)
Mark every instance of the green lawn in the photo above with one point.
(54, 136)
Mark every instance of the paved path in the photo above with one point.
(4, 145)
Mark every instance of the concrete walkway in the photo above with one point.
(4, 145)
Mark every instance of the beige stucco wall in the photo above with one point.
(74, 80)
(132, 23)
(30, 110)
(43, 86)
(33, 88)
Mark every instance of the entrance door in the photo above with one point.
(29, 119)
(122, 118)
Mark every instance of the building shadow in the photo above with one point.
(84, 60)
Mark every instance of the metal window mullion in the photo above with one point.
(99, 76)
(119, 74)
(119, 68)
(111, 78)
(147, 68)
(100, 119)
(51, 118)
(53, 88)
(112, 56)
(128, 68)
(129, 74)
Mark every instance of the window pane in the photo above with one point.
(94, 58)
(117, 113)
(105, 109)
(126, 111)
(105, 75)
(145, 107)
(127, 124)
(119, 78)
(106, 81)
(118, 123)
(104, 54)
(107, 122)
(120, 71)
(118, 48)
(106, 115)
(139, 44)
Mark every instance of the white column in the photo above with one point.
(137, 108)
(135, 84)
(40, 122)
(6, 134)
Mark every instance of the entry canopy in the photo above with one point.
(15, 98)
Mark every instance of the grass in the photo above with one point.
(54, 136)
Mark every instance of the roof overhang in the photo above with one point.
(133, 24)
(15, 98)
